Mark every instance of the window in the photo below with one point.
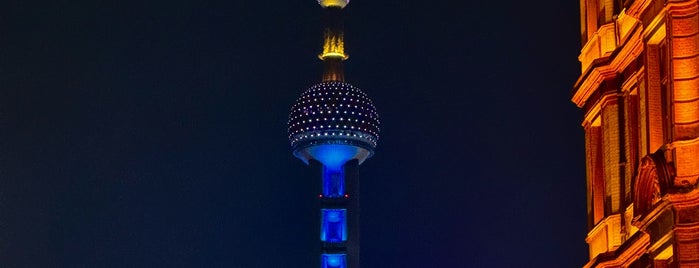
(664, 66)
(333, 225)
(333, 182)
(333, 261)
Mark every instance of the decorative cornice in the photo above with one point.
(637, 8)
(631, 250)
(588, 83)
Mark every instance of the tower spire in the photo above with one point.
(333, 53)
(334, 128)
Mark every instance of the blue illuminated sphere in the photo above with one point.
(333, 122)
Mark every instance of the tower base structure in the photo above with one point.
(339, 214)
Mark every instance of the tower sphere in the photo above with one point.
(333, 122)
(333, 3)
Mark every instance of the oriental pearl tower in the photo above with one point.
(333, 127)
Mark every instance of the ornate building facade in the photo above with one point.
(639, 90)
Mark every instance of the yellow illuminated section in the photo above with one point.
(665, 255)
(333, 47)
(333, 3)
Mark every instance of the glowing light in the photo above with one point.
(333, 261)
(333, 216)
(333, 182)
(333, 156)
(333, 46)
(333, 225)
(333, 3)
(333, 54)
(309, 118)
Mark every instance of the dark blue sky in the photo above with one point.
(154, 134)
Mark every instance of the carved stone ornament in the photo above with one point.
(651, 183)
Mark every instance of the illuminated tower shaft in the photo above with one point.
(339, 214)
(339, 183)
(333, 127)
(333, 45)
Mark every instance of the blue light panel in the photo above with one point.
(333, 261)
(333, 182)
(333, 225)
(333, 156)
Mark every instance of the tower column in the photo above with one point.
(333, 53)
(334, 127)
(353, 241)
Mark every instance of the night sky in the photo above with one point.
(153, 134)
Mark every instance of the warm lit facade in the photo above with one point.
(639, 90)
